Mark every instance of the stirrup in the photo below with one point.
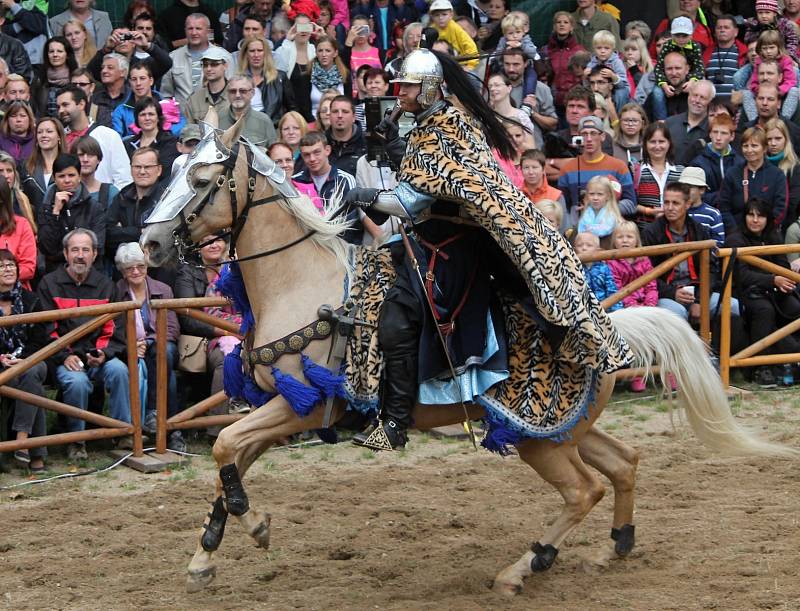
(379, 439)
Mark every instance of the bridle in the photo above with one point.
(182, 233)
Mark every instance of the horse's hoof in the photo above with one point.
(507, 588)
(199, 580)
(625, 538)
(261, 532)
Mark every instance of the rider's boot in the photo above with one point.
(398, 400)
(398, 333)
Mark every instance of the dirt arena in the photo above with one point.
(427, 529)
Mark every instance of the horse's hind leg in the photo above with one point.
(561, 466)
(617, 461)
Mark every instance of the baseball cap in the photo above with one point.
(696, 177)
(190, 132)
(440, 5)
(215, 54)
(590, 122)
(682, 25)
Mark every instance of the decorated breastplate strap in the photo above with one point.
(293, 343)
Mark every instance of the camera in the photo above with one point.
(375, 109)
(127, 36)
(577, 142)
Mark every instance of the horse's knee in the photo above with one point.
(624, 475)
(223, 450)
(581, 500)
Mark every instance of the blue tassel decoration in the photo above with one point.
(499, 437)
(231, 285)
(322, 378)
(300, 397)
(254, 394)
(232, 374)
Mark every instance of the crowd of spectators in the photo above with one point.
(626, 133)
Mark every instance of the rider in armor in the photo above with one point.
(492, 271)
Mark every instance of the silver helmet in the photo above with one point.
(421, 67)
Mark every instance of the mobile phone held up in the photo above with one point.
(304, 28)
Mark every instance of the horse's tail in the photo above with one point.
(659, 337)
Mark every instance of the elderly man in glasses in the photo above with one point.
(258, 127)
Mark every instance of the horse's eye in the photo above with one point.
(201, 183)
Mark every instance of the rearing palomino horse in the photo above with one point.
(292, 261)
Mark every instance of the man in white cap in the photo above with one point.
(215, 92)
(186, 74)
(705, 214)
(681, 42)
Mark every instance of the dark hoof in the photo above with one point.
(215, 529)
(235, 498)
(544, 557)
(261, 532)
(625, 538)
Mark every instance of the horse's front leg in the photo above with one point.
(237, 447)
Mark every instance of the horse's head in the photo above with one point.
(208, 194)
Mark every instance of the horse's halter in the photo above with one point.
(182, 233)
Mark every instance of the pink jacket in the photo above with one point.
(341, 13)
(626, 271)
(310, 190)
(23, 244)
(789, 75)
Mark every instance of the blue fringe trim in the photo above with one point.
(300, 397)
(323, 379)
(231, 285)
(232, 374)
(498, 436)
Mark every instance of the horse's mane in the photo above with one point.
(327, 228)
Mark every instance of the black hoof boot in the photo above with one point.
(215, 529)
(625, 538)
(235, 498)
(545, 556)
(386, 436)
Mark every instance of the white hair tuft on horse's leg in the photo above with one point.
(659, 337)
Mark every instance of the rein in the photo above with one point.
(184, 229)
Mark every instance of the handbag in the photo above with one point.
(192, 351)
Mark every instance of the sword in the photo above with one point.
(415, 265)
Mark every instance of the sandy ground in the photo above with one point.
(426, 529)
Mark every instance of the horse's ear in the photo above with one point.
(211, 119)
(231, 135)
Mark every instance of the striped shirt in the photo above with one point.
(650, 186)
(711, 219)
(576, 172)
(721, 67)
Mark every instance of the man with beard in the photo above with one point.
(67, 205)
(115, 167)
(96, 356)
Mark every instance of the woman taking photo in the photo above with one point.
(193, 281)
(79, 41)
(22, 205)
(17, 236)
(59, 62)
(37, 171)
(294, 58)
(327, 71)
(90, 155)
(148, 118)
(16, 130)
(18, 342)
(781, 154)
(769, 300)
(628, 134)
(655, 172)
(755, 176)
(273, 91)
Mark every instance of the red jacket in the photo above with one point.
(559, 52)
(22, 243)
(740, 46)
